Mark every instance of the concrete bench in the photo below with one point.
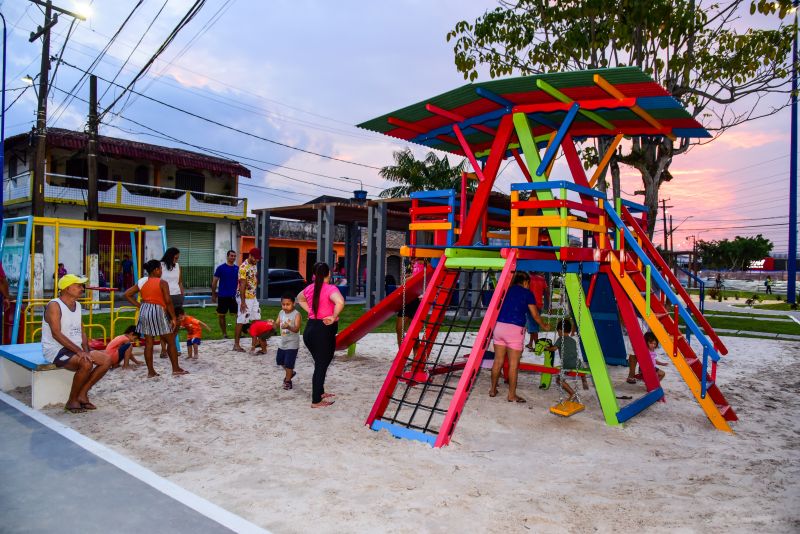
(24, 365)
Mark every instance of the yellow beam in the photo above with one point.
(606, 158)
(416, 252)
(615, 93)
(430, 226)
(667, 342)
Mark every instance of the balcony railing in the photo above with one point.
(73, 190)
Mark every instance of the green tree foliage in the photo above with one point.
(693, 48)
(430, 174)
(734, 255)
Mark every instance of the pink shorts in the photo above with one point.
(509, 335)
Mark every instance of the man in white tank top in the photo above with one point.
(64, 343)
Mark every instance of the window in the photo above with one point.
(189, 180)
(141, 176)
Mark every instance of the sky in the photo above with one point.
(304, 72)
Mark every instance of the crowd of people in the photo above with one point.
(159, 298)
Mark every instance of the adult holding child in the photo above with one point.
(247, 304)
(223, 290)
(323, 302)
(156, 316)
(64, 343)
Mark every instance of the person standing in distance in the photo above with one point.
(246, 301)
(223, 290)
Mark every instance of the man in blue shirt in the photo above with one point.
(223, 290)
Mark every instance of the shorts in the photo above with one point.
(226, 305)
(509, 335)
(121, 352)
(252, 313)
(177, 300)
(411, 309)
(286, 358)
(193, 341)
(530, 324)
(63, 357)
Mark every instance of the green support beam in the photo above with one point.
(588, 333)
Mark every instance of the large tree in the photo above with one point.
(431, 174)
(698, 52)
(736, 254)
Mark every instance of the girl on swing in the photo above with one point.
(509, 332)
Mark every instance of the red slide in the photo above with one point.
(374, 317)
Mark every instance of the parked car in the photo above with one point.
(284, 281)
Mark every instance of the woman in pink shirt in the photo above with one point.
(323, 303)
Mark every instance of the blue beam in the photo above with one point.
(556, 144)
(639, 405)
(403, 432)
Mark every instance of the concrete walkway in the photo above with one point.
(56, 480)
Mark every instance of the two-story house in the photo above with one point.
(194, 196)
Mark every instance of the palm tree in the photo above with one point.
(429, 174)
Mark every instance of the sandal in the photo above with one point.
(181, 372)
(74, 409)
(287, 384)
(322, 404)
(519, 400)
(328, 395)
(88, 406)
(631, 380)
(239, 349)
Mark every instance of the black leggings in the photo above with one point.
(321, 341)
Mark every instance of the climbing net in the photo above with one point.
(431, 372)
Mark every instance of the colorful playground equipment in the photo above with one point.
(611, 274)
(19, 262)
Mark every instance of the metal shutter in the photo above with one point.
(196, 243)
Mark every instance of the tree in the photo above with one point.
(429, 174)
(733, 255)
(693, 50)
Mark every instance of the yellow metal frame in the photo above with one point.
(32, 320)
(430, 226)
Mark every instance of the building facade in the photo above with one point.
(194, 196)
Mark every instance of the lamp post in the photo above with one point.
(791, 267)
(3, 122)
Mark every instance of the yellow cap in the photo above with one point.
(69, 279)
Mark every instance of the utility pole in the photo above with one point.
(664, 216)
(92, 211)
(37, 202)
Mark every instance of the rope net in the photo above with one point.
(432, 370)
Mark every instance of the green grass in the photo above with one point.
(782, 306)
(753, 325)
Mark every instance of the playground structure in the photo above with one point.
(611, 277)
(25, 322)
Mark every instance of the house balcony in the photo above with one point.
(64, 189)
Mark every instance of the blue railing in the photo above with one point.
(691, 326)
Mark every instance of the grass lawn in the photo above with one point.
(783, 306)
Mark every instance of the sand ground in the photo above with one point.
(231, 434)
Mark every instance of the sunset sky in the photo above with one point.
(304, 72)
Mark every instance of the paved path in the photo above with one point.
(56, 480)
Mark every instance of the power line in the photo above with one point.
(231, 128)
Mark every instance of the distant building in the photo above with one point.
(195, 196)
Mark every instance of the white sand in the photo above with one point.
(229, 433)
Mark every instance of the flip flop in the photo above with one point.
(631, 380)
(519, 400)
(322, 404)
(181, 372)
(327, 395)
(239, 349)
(294, 373)
(88, 406)
(260, 352)
(74, 410)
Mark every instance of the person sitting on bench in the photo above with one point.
(64, 343)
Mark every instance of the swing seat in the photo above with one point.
(567, 408)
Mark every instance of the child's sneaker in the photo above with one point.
(287, 384)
